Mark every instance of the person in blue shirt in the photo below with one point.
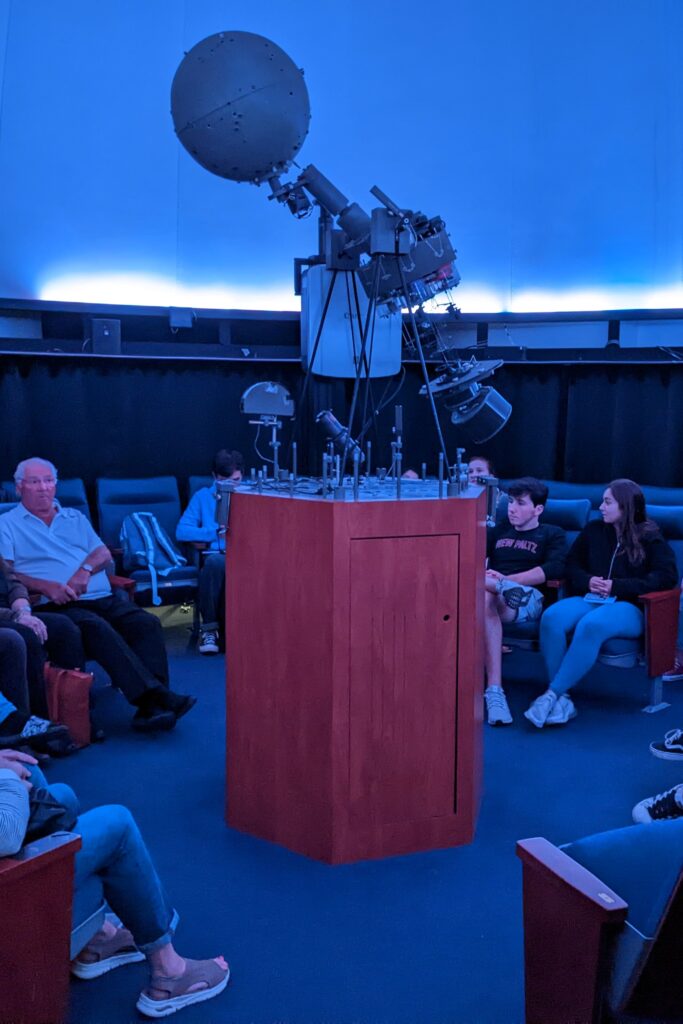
(198, 527)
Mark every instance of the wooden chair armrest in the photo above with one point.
(567, 910)
(541, 856)
(36, 855)
(661, 596)
(661, 629)
(123, 583)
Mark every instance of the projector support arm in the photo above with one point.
(423, 364)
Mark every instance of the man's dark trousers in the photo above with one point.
(127, 641)
(212, 590)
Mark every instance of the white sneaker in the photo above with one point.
(563, 711)
(539, 712)
(497, 710)
(208, 641)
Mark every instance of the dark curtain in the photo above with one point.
(116, 418)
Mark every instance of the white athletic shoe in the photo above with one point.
(563, 711)
(497, 710)
(539, 712)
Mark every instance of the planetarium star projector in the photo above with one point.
(241, 109)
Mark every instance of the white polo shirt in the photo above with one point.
(52, 552)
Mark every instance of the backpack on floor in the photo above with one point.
(146, 545)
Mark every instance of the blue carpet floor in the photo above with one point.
(432, 938)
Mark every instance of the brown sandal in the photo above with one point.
(164, 996)
(104, 953)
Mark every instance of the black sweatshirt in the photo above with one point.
(512, 551)
(591, 555)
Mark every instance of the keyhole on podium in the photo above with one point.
(446, 618)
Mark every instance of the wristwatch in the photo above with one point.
(87, 567)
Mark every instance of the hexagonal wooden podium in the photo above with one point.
(355, 673)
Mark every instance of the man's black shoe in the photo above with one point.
(155, 720)
(178, 703)
(183, 706)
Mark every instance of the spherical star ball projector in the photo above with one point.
(240, 106)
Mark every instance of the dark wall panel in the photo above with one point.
(113, 417)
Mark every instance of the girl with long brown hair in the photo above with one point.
(612, 562)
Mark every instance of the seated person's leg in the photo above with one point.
(558, 621)
(64, 646)
(158, 707)
(35, 663)
(496, 612)
(141, 631)
(211, 591)
(65, 795)
(17, 724)
(114, 853)
(13, 684)
(596, 625)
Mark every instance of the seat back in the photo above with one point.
(563, 491)
(569, 513)
(669, 519)
(644, 864)
(663, 495)
(602, 919)
(118, 498)
(194, 483)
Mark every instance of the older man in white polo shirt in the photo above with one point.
(56, 553)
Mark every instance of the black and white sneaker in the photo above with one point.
(661, 807)
(671, 747)
(208, 641)
(516, 597)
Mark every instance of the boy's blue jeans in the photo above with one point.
(114, 853)
(568, 662)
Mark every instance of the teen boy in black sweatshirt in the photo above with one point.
(521, 555)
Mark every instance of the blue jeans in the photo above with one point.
(114, 853)
(6, 708)
(568, 662)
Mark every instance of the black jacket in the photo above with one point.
(591, 555)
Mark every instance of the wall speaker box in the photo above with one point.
(106, 337)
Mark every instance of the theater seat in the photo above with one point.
(194, 483)
(36, 889)
(602, 926)
(658, 646)
(159, 495)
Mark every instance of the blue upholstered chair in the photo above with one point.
(118, 498)
(195, 482)
(602, 926)
(656, 650)
(70, 493)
